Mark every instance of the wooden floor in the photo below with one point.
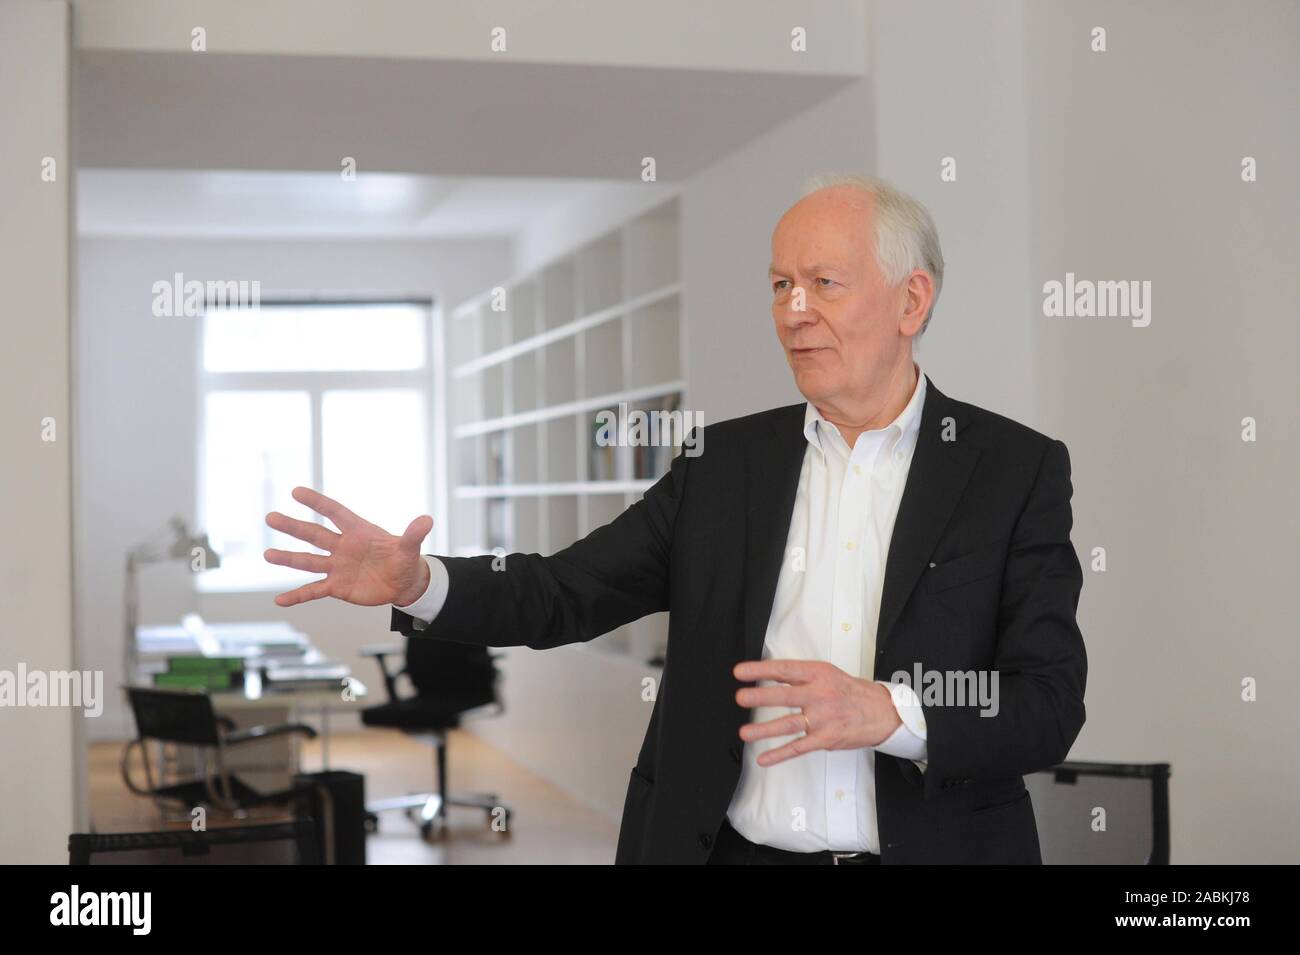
(548, 826)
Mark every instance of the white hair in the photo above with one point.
(906, 237)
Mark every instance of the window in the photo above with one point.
(332, 396)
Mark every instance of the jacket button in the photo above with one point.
(706, 840)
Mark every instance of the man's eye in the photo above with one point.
(776, 286)
(824, 279)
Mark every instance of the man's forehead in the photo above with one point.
(828, 243)
(823, 264)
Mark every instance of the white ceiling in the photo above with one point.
(240, 203)
(251, 145)
(440, 118)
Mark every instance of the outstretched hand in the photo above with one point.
(364, 564)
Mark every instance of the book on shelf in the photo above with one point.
(602, 460)
(496, 458)
(652, 460)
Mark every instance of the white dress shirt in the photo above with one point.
(826, 607)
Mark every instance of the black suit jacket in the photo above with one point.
(981, 575)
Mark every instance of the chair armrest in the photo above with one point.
(381, 652)
(255, 733)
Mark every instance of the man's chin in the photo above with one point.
(812, 384)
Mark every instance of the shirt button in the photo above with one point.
(839, 794)
(849, 545)
(857, 469)
(846, 626)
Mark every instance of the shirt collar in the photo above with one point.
(897, 434)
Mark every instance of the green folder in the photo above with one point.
(193, 664)
(195, 681)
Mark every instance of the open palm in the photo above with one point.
(364, 564)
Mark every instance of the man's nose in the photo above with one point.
(792, 317)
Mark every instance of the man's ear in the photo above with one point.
(919, 292)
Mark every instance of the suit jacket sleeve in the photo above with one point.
(616, 574)
(1039, 658)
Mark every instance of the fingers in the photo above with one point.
(796, 747)
(314, 563)
(417, 531)
(314, 534)
(313, 591)
(787, 725)
(327, 507)
(783, 671)
(780, 695)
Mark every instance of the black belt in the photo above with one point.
(733, 847)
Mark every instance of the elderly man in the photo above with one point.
(872, 595)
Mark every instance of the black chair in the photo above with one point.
(284, 843)
(187, 717)
(1135, 800)
(451, 681)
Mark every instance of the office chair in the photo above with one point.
(1133, 799)
(283, 843)
(187, 717)
(451, 680)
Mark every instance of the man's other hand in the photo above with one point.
(834, 710)
(363, 563)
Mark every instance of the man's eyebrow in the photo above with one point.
(773, 270)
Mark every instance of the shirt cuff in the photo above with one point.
(909, 740)
(430, 602)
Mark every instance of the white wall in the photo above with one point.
(38, 746)
(1134, 159)
(138, 416)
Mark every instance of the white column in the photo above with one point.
(40, 752)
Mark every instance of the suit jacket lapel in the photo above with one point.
(938, 474)
(772, 481)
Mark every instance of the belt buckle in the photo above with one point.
(837, 856)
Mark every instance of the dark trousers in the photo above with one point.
(731, 848)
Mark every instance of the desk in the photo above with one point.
(285, 677)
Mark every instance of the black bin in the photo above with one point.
(335, 801)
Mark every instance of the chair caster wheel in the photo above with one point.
(430, 832)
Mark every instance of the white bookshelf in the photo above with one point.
(589, 330)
